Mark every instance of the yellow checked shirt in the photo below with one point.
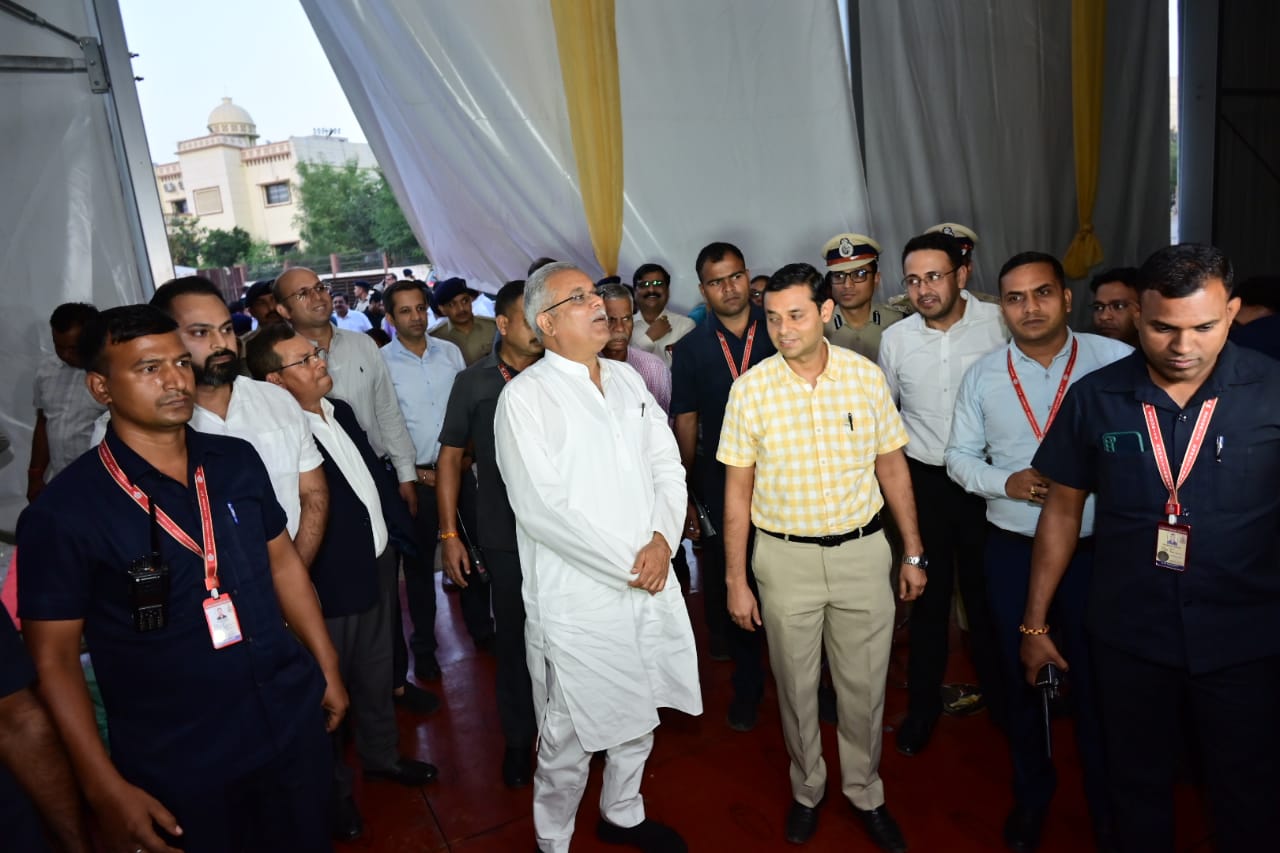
(814, 449)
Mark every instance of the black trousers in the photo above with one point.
(420, 583)
(745, 647)
(953, 527)
(514, 690)
(1233, 713)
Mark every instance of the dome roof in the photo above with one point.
(230, 119)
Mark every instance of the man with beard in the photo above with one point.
(228, 403)
(657, 329)
(924, 357)
(853, 272)
(704, 366)
(468, 421)
(653, 370)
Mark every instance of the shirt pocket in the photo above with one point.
(1244, 475)
(1128, 479)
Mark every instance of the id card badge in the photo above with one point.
(224, 626)
(1172, 541)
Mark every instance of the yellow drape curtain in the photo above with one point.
(1088, 39)
(589, 65)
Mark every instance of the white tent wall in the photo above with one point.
(71, 227)
(470, 123)
(969, 120)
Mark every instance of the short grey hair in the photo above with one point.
(535, 292)
(618, 291)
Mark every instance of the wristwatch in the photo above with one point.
(920, 561)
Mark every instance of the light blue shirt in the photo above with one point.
(991, 438)
(422, 387)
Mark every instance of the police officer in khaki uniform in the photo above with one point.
(853, 274)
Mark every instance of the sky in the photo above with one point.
(262, 54)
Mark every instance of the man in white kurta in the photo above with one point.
(595, 481)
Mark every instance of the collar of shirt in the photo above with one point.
(399, 350)
(714, 323)
(138, 469)
(577, 369)
(832, 371)
(1229, 370)
(1020, 356)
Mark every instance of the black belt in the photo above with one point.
(430, 466)
(1085, 544)
(872, 526)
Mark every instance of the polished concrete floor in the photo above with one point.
(723, 790)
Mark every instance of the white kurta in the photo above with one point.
(590, 479)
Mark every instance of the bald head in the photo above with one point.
(302, 299)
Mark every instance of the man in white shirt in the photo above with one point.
(360, 378)
(345, 318)
(656, 328)
(924, 358)
(228, 403)
(1006, 403)
(608, 636)
(65, 410)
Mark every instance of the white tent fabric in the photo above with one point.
(968, 111)
(463, 105)
(65, 227)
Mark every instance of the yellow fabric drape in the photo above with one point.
(588, 47)
(1088, 38)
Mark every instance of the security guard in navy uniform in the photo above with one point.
(853, 275)
(1181, 444)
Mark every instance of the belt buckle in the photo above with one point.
(830, 541)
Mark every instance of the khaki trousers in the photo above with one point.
(810, 595)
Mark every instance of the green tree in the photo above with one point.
(225, 248)
(185, 237)
(349, 209)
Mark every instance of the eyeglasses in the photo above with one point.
(1117, 307)
(859, 276)
(717, 283)
(307, 292)
(911, 282)
(578, 297)
(645, 285)
(318, 354)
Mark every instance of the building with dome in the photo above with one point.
(227, 178)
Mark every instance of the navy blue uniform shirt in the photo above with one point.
(1224, 608)
(469, 417)
(180, 712)
(700, 382)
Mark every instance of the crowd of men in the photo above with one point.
(223, 519)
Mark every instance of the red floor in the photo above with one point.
(721, 789)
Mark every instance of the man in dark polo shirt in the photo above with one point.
(1181, 444)
(468, 421)
(217, 712)
(704, 365)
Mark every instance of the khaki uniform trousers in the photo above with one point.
(842, 596)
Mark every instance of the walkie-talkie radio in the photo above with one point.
(149, 584)
(473, 553)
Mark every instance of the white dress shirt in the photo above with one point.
(347, 457)
(991, 438)
(422, 386)
(924, 367)
(680, 326)
(69, 411)
(360, 378)
(355, 321)
(591, 477)
(272, 421)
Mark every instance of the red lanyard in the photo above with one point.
(734, 369)
(1057, 399)
(506, 373)
(1173, 509)
(208, 555)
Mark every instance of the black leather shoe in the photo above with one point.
(345, 823)
(648, 835)
(517, 766)
(802, 822)
(914, 734)
(415, 700)
(485, 643)
(426, 667)
(406, 771)
(743, 714)
(1022, 829)
(882, 829)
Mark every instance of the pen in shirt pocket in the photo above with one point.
(232, 510)
(849, 417)
(1217, 449)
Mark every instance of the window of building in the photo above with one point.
(277, 193)
(208, 201)
(180, 207)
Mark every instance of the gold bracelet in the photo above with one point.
(1033, 632)
(452, 534)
